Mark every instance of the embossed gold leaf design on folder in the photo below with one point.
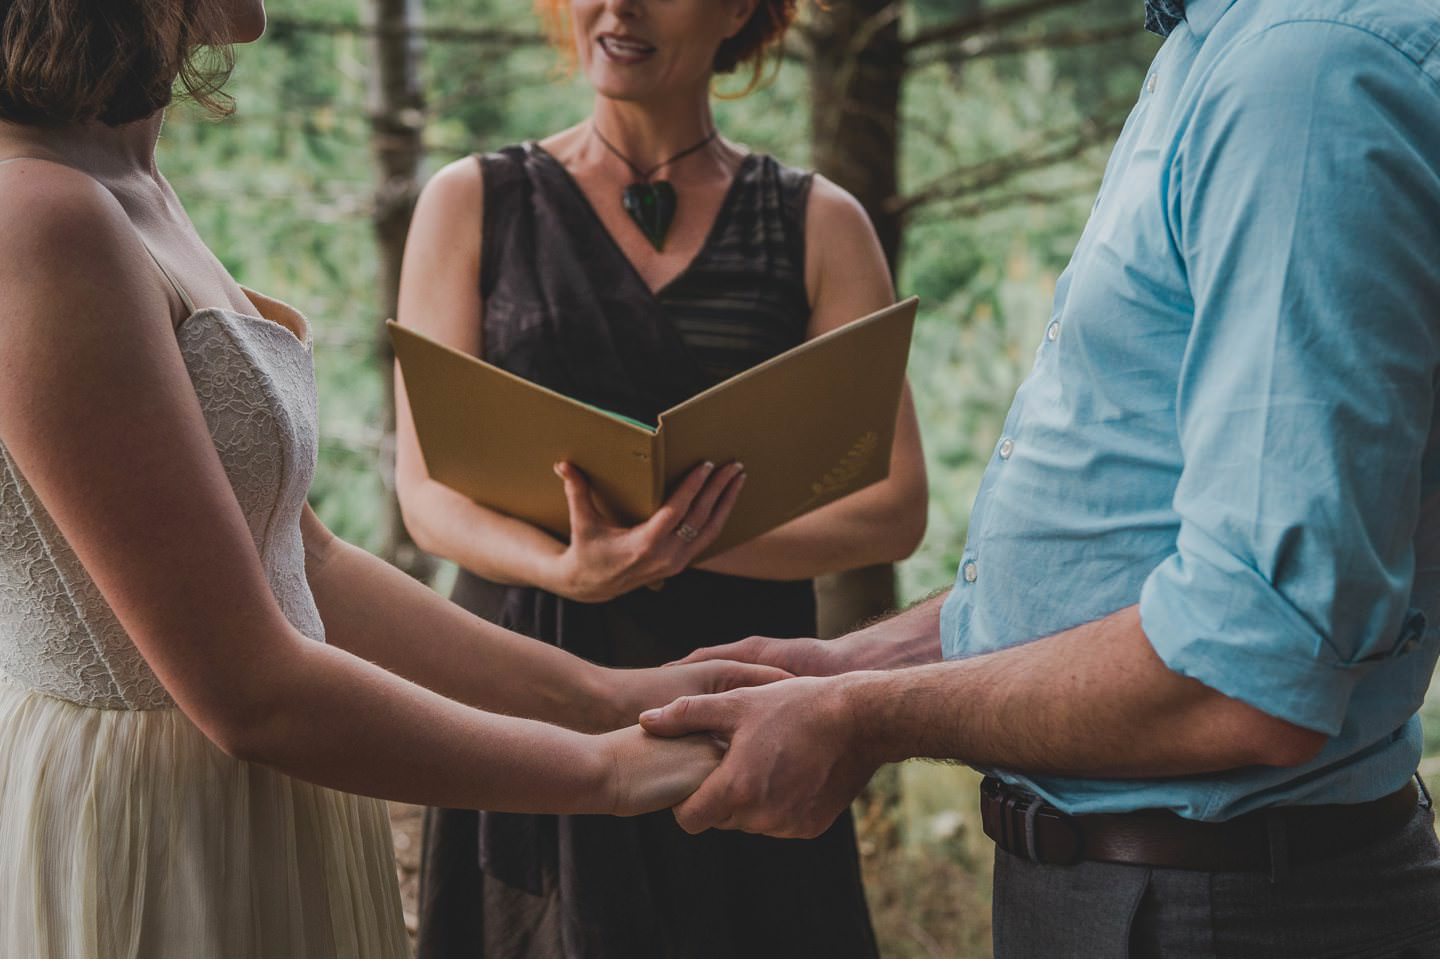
(861, 453)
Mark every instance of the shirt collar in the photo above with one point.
(1202, 15)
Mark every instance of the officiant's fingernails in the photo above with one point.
(556, 469)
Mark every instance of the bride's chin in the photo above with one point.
(248, 36)
(248, 27)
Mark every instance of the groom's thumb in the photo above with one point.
(691, 715)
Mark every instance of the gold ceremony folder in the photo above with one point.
(811, 425)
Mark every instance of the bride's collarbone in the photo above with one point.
(199, 273)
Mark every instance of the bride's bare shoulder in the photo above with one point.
(66, 237)
(48, 204)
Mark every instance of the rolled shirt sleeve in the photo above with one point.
(1304, 201)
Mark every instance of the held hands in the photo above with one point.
(795, 758)
(792, 764)
(605, 560)
(803, 656)
(628, 692)
(649, 774)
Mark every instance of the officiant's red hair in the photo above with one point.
(64, 62)
(762, 34)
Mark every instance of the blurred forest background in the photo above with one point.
(974, 131)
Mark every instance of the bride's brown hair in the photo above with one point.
(113, 61)
(762, 33)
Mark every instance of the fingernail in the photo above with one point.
(556, 469)
(650, 715)
(709, 466)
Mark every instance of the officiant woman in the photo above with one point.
(631, 262)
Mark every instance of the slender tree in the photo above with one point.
(856, 66)
(397, 126)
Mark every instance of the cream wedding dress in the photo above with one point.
(123, 830)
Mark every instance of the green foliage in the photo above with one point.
(986, 277)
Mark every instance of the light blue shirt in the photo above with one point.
(1232, 415)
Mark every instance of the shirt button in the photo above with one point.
(1052, 332)
(971, 571)
(1007, 448)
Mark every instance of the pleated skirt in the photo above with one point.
(129, 834)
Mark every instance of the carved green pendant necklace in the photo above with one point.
(651, 205)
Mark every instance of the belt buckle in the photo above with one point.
(1018, 835)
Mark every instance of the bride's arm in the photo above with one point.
(98, 413)
(374, 610)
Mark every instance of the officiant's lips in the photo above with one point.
(624, 49)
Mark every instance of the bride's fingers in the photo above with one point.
(749, 651)
(732, 674)
(706, 808)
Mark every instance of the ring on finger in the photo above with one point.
(687, 532)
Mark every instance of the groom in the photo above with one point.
(1196, 611)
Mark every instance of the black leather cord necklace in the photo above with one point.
(652, 205)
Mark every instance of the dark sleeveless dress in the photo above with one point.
(565, 308)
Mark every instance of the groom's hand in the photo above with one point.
(631, 691)
(802, 656)
(794, 761)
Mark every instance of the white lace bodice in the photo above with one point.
(256, 383)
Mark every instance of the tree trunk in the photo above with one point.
(397, 125)
(857, 68)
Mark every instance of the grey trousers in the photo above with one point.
(1380, 901)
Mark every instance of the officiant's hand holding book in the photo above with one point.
(605, 559)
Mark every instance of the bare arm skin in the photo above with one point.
(909, 639)
(375, 611)
(99, 414)
(1067, 704)
(440, 296)
(847, 277)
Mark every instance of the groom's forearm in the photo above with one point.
(906, 639)
(1094, 701)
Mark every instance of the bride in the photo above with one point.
(195, 674)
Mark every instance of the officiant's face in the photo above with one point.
(638, 50)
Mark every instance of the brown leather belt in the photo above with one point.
(1268, 840)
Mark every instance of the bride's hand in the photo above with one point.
(629, 692)
(650, 774)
